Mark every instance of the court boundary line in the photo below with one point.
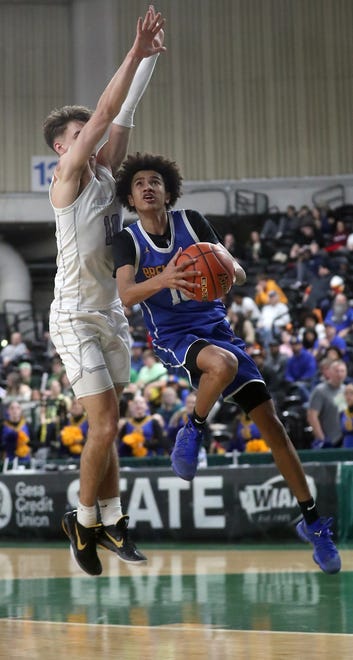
(177, 627)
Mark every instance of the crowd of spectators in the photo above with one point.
(295, 315)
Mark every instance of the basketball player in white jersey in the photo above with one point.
(87, 323)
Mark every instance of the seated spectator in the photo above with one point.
(305, 216)
(34, 411)
(274, 316)
(29, 378)
(137, 349)
(286, 225)
(54, 400)
(347, 418)
(244, 304)
(66, 389)
(16, 390)
(301, 368)
(170, 403)
(180, 418)
(241, 326)
(14, 351)
(306, 236)
(273, 370)
(15, 435)
(247, 436)
(73, 433)
(325, 221)
(316, 295)
(256, 250)
(285, 346)
(142, 434)
(323, 370)
(56, 369)
(152, 371)
(333, 353)
(264, 286)
(338, 240)
(311, 321)
(309, 339)
(229, 244)
(330, 340)
(134, 316)
(152, 394)
(180, 384)
(303, 266)
(326, 402)
(337, 285)
(340, 314)
(289, 222)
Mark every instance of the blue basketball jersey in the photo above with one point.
(163, 311)
(176, 323)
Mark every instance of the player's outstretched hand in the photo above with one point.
(159, 38)
(149, 34)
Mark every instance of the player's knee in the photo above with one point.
(105, 432)
(225, 367)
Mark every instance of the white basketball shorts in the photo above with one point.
(94, 348)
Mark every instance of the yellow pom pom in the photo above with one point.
(71, 435)
(22, 451)
(76, 449)
(22, 438)
(256, 446)
(135, 441)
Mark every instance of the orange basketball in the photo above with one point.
(216, 266)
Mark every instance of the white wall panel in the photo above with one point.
(247, 89)
(34, 77)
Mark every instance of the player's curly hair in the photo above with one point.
(168, 170)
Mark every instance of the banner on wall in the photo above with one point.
(228, 503)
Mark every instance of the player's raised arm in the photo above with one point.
(74, 159)
(114, 150)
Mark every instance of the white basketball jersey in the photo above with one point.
(84, 230)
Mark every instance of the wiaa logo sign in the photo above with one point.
(272, 501)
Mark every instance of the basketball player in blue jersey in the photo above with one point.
(196, 337)
(87, 323)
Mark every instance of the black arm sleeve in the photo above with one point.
(123, 247)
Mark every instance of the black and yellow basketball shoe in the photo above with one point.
(83, 543)
(117, 539)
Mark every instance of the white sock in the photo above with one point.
(86, 515)
(110, 510)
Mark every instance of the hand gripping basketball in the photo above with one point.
(216, 267)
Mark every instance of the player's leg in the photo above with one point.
(312, 529)
(216, 369)
(98, 465)
(82, 526)
(113, 534)
(283, 451)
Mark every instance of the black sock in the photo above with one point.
(309, 511)
(198, 421)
